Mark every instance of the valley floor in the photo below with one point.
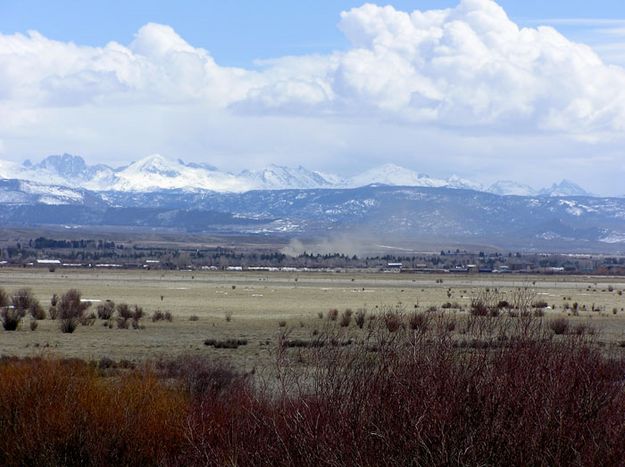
(260, 308)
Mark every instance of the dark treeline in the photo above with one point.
(89, 252)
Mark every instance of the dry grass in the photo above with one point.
(259, 302)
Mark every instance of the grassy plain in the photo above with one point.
(258, 302)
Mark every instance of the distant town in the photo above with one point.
(88, 253)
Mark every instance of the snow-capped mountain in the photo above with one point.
(155, 172)
(280, 177)
(508, 187)
(564, 188)
(394, 175)
(391, 174)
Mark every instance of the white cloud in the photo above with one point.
(463, 70)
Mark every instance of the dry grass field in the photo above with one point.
(261, 306)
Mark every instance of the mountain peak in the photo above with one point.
(65, 164)
(156, 172)
(564, 188)
(157, 165)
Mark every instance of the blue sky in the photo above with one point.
(475, 88)
(239, 32)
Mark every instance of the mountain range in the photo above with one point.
(389, 203)
(155, 172)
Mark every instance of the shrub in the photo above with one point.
(282, 323)
(11, 318)
(303, 343)
(393, 321)
(360, 317)
(21, 302)
(124, 311)
(419, 322)
(37, 312)
(106, 310)
(159, 315)
(33, 324)
(53, 311)
(194, 318)
(228, 316)
(68, 326)
(122, 323)
(346, 318)
(559, 326)
(137, 313)
(333, 314)
(443, 402)
(225, 344)
(23, 299)
(459, 394)
(201, 377)
(540, 304)
(56, 412)
(71, 310)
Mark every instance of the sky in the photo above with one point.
(531, 91)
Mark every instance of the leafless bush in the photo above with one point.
(158, 315)
(225, 344)
(393, 320)
(486, 303)
(521, 299)
(71, 310)
(124, 311)
(559, 326)
(15, 307)
(53, 311)
(106, 310)
(333, 314)
(202, 377)
(360, 317)
(419, 322)
(11, 318)
(346, 318)
(137, 313)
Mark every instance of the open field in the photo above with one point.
(258, 302)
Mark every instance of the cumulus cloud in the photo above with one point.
(468, 68)
(464, 66)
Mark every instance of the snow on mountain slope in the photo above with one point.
(461, 183)
(155, 172)
(22, 192)
(508, 187)
(280, 177)
(564, 188)
(8, 169)
(391, 174)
